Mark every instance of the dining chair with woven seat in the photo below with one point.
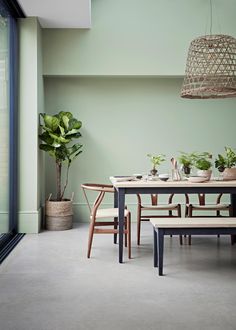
(155, 206)
(191, 209)
(218, 206)
(99, 215)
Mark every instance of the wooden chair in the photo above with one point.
(154, 206)
(202, 206)
(97, 213)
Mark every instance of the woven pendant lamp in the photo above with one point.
(211, 67)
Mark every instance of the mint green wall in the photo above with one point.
(31, 102)
(126, 118)
(134, 37)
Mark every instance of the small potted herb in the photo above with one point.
(226, 164)
(156, 160)
(186, 160)
(203, 163)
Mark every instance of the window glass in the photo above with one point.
(4, 126)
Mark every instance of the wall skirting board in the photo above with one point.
(30, 221)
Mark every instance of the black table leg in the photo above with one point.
(233, 205)
(121, 206)
(155, 252)
(160, 250)
(115, 219)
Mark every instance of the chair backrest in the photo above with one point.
(202, 199)
(154, 199)
(101, 189)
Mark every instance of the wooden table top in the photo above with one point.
(193, 222)
(169, 183)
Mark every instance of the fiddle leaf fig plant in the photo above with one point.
(58, 132)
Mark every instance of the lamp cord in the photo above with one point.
(210, 17)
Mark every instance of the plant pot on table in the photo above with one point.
(229, 173)
(205, 173)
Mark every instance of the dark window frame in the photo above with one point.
(12, 8)
(8, 241)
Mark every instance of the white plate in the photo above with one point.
(197, 179)
(153, 178)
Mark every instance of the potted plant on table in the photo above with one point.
(58, 132)
(186, 160)
(203, 163)
(156, 160)
(226, 164)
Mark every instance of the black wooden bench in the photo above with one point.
(187, 226)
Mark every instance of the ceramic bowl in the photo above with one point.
(164, 177)
(197, 179)
(138, 176)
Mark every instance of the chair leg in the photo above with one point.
(90, 239)
(138, 225)
(129, 235)
(179, 215)
(186, 211)
(232, 240)
(170, 215)
(126, 220)
(115, 227)
(190, 214)
(189, 240)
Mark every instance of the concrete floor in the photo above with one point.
(48, 284)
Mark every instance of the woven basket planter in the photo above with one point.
(59, 215)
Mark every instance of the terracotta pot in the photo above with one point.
(229, 173)
(59, 215)
(205, 173)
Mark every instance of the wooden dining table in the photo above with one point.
(124, 188)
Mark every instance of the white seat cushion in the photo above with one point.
(109, 213)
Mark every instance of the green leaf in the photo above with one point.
(65, 113)
(74, 148)
(74, 123)
(45, 137)
(78, 153)
(56, 144)
(73, 131)
(62, 130)
(59, 139)
(46, 147)
(51, 122)
(65, 120)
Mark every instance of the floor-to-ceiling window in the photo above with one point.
(9, 11)
(4, 125)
